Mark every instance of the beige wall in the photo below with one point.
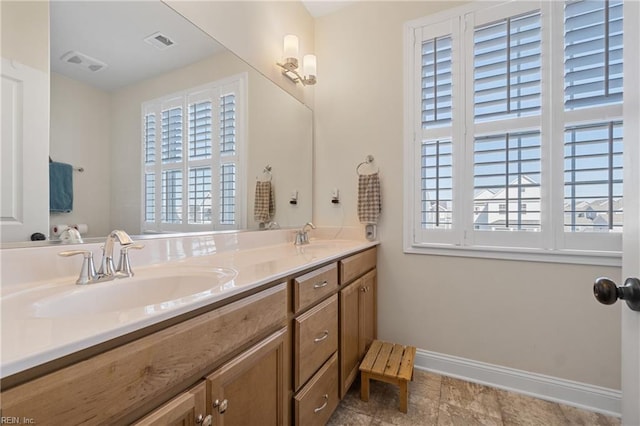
(254, 31)
(25, 32)
(537, 317)
(81, 136)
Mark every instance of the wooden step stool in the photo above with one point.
(391, 363)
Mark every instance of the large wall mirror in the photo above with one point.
(140, 101)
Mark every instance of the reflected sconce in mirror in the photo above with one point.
(290, 65)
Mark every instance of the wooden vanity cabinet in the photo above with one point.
(291, 349)
(250, 389)
(115, 386)
(358, 316)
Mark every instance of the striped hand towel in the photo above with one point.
(265, 203)
(369, 200)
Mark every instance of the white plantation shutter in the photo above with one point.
(507, 171)
(200, 118)
(507, 57)
(228, 124)
(593, 178)
(171, 208)
(228, 158)
(228, 194)
(436, 81)
(437, 184)
(593, 148)
(149, 197)
(200, 195)
(172, 135)
(195, 186)
(150, 138)
(593, 53)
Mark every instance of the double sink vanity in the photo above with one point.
(229, 328)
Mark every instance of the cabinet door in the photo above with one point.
(349, 334)
(367, 313)
(180, 411)
(250, 389)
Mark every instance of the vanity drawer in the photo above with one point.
(311, 287)
(315, 403)
(316, 338)
(354, 266)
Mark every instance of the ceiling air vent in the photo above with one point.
(160, 41)
(84, 61)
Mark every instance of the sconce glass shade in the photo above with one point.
(290, 46)
(309, 65)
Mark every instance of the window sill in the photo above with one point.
(576, 257)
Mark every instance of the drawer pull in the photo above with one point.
(320, 285)
(322, 407)
(325, 334)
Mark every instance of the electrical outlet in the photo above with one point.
(335, 196)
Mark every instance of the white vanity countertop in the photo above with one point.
(44, 321)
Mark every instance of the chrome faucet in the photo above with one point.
(107, 268)
(302, 236)
(107, 272)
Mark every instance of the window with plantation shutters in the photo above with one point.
(195, 186)
(514, 131)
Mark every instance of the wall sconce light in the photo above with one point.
(290, 66)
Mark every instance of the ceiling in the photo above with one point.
(318, 8)
(113, 32)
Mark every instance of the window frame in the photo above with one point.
(551, 244)
(212, 91)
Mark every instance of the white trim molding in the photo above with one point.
(581, 395)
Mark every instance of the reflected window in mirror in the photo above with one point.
(191, 155)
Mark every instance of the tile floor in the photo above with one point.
(439, 400)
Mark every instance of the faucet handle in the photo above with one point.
(124, 264)
(88, 271)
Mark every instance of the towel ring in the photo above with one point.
(267, 171)
(368, 160)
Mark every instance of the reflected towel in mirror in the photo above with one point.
(60, 187)
(265, 205)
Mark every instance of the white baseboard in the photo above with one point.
(581, 395)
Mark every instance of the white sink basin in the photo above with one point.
(153, 292)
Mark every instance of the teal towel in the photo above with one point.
(60, 187)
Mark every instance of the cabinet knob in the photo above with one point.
(204, 421)
(221, 406)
